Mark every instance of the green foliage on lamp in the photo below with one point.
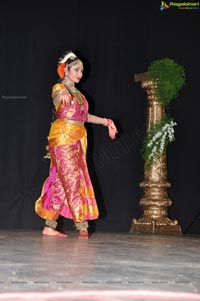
(169, 77)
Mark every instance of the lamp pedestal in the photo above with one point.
(155, 202)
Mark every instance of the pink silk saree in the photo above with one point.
(68, 190)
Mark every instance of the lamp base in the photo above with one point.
(155, 226)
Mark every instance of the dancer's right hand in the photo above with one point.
(65, 97)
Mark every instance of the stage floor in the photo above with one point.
(107, 261)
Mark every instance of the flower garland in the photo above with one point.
(157, 140)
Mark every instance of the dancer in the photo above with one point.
(68, 190)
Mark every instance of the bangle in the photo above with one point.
(105, 122)
(109, 122)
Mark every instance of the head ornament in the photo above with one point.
(62, 63)
(66, 57)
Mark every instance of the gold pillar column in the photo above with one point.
(155, 202)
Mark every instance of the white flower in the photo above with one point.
(159, 140)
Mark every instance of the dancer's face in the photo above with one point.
(75, 72)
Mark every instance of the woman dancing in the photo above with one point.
(68, 190)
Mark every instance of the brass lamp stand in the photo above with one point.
(155, 202)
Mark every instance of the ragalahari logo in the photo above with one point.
(164, 5)
(180, 5)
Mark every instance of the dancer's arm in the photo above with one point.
(104, 121)
(97, 120)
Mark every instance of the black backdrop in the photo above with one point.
(116, 39)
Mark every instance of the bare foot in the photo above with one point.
(47, 231)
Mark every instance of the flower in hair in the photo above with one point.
(61, 70)
(66, 57)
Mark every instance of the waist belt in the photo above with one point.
(73, 121)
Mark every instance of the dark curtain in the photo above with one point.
(115, 39)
